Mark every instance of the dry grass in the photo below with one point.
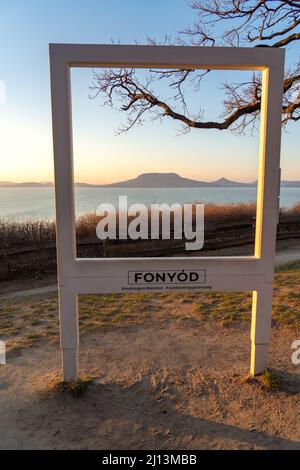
(77, 389)
(229, 212)
(28, 231)
(291, 212)
(34, 231)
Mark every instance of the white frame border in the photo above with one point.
(255, 273)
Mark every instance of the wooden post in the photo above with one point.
(69, 337)
(260, 328)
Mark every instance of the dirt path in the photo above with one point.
(288, 255)
(171, 384)
(26, 292)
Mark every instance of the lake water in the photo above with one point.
(38, 203)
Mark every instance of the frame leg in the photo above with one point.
(260, 328)
(70, 364)
(69, 337)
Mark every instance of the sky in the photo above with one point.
(26, 29)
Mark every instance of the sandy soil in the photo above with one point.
(172, 384)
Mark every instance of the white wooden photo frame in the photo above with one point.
(108, 275)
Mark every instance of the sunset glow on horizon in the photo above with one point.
(99, 155)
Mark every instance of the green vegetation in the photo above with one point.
(14, 233)
(270, 381)
(76, 389)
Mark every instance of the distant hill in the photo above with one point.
(157, 180)
(27, 184)
(290, 184)
(171, 180)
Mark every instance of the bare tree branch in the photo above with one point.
(273, 23)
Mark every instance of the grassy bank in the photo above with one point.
(31, 231)
(13, 233)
